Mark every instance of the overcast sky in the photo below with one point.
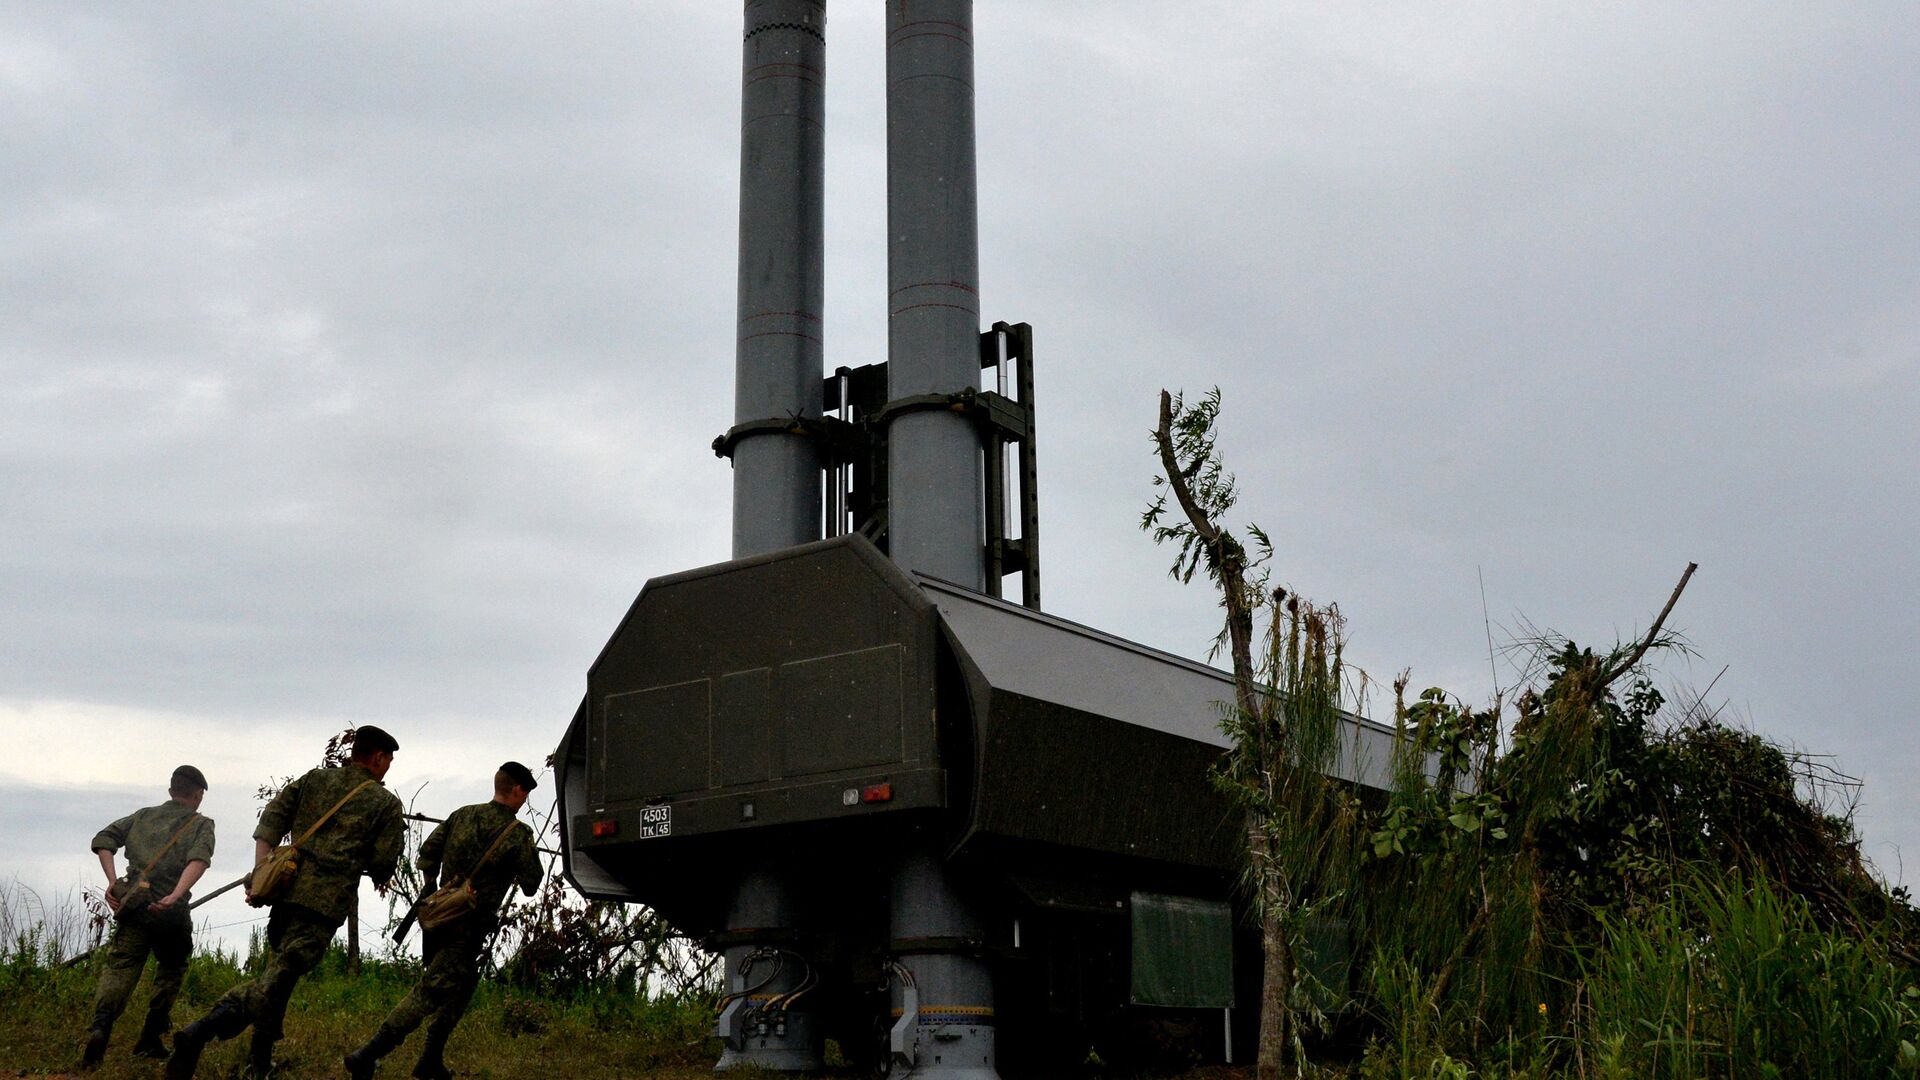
(358, 363)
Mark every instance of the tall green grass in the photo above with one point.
(1730, 978)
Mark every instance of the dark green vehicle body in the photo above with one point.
(821, 703)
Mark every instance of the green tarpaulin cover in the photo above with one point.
(1182, 952)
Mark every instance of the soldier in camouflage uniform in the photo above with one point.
(365, 834)
(451, 952)
(178, 842)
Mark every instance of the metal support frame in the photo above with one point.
(838, 438)
(853, 435)
(1006, 421)
(856, 464)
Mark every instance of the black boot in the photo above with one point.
(96, 1047)
(149, 1044)
(260, 1055)
(361, 1063)
(432, 1064)
(224, 1022)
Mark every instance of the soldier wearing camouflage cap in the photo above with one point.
(484, 846)
(168, 847)
(364, 834)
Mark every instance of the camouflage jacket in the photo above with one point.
(364, 835)
(457, 844)
(145, 831)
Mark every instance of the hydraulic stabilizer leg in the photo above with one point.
(943, 1000)
(766, 1021)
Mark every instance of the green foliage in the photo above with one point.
(1575, 881)
(1499, 869)
(1212, 488)
(1303, 825)
(1193, 473)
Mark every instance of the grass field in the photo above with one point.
(589, 1037)
(504, 1035)
(1761, 995)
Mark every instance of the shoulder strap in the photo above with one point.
(315, 827)
(177, 834)
(490, 849)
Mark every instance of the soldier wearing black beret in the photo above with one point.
(482, 847)
(344, 823)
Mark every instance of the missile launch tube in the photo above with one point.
(777, 362)
(936, 524)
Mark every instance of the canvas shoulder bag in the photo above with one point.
(133, 895)
(274, 876)
(456, 898)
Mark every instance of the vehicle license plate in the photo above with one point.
(656, 821)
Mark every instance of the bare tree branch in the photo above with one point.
(1653, 632)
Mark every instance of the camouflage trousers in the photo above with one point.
(170, 941)
(297, 939)
(451, 956)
